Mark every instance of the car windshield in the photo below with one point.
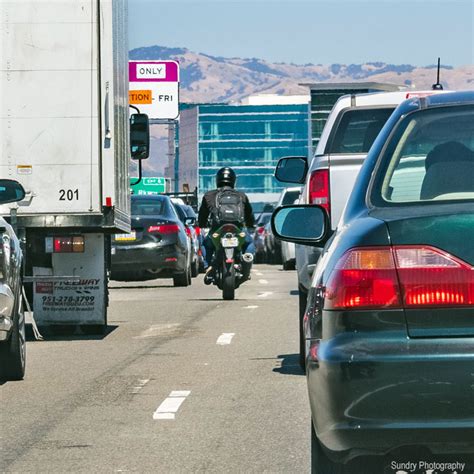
(358, 129)
(290, 197)
(148, 207)
(431, 157)
(264, 219)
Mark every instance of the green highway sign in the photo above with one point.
(148, 186)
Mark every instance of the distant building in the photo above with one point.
(249, 138)
(325, 95)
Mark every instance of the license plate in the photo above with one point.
(126, 237)
(230, 242)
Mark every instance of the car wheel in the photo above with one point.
(13, 351)
(320, 462)
(288, 265)
(184, 278)
(302, 299)
(195, 269)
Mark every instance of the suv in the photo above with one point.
(12, 319)
(351, 128)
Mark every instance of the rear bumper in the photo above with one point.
(162, 260)
(7, 301)
(371, 393)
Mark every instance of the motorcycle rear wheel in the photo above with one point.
(228, 282)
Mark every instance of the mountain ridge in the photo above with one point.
(208, 78)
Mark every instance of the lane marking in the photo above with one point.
(225, 338)
(170, 405)
(260, 274)
(251, 307)
(159, 330)
(263, 282)
(265, 294)
(141, 383)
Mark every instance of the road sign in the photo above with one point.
(154, 88)
(148, 186)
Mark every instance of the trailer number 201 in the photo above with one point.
(69, 194)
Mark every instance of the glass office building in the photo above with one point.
(249, 138)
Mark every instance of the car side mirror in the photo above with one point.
(292, 169)
(11, 191)
(303, 224)
(189, 221)
(139, 136)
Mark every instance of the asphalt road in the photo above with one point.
(183, 382)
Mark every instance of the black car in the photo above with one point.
(389, 323)
(12, 319)
(158, 245)
(188, 217)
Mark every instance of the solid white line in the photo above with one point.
(263, 282)
(225, 339)
(170, 405)
(265, 294)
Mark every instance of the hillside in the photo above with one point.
(206, 78)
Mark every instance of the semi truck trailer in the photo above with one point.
(65, 137)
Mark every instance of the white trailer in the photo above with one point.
(65, 138)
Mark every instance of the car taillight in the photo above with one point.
(261, 230)
(163, 229)
(197, 230)
(399, 277)
(188, 231)
(319, 189)
(364, 278)
(431, 277)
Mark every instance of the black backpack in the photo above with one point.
(229, 207)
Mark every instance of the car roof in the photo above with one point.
(150, 197)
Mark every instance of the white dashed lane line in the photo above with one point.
(263, 282)
(265, 294)
(251, 307)
(225, 339)
(141, 383)
(169, 407)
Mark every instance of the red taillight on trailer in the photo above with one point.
(73, 244)
(364, 278)
(318, 189)
(431, 277)
(163, 229)
(399, 277)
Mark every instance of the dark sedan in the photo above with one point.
(390, 318)
(12, 319)
(157, 246)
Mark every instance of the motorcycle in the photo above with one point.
(231, 266)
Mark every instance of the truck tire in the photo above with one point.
(13, 351)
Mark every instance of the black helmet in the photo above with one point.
(225, 177)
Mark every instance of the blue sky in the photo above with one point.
(311, 31)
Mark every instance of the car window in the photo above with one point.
(357, 130)
(431, 157)
(148, 207)
(180, 211)
(264, 219)
(290, 197)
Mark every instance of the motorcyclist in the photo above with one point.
(225, 179)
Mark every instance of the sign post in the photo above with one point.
(154, 88)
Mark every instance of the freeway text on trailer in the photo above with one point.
(154, 88)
